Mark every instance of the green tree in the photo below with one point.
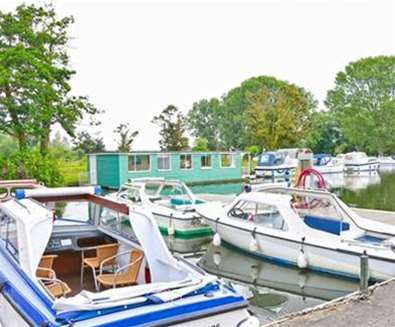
(232, 111)
(35, 91)
(204, 121)
(8, 145)
(173, 126)
(126, 137)
(278, 117)
(325, 135)
(201, 145)
(363, 101)
(86, 143)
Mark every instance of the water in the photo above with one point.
(274, 291)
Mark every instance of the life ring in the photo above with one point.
(301, 182)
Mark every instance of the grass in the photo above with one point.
(74, 172)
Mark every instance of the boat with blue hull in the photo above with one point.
(144, 285)
(310, 229)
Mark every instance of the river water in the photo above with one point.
(274, 290)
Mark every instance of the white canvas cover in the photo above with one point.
(163, 266)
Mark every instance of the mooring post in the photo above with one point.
(364, 273)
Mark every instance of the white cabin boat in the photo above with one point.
(327, 164)
(281, 163)
(147, 286)
(310, 229)
(171, 202)
(386, 163)
(359, 161)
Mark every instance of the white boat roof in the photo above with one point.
(266, 197)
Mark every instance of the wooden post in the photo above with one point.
(364, 273)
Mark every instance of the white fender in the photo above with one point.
(217, 240)
(302, 280)
(302, 260)
(217, 258)
(253, 246)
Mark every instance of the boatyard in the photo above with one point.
(197, 164)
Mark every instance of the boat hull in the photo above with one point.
(359, 167)
(8, 314)
(285, 251)
(185, 227)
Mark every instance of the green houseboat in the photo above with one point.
(111, 170)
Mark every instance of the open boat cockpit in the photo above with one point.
(104, 272)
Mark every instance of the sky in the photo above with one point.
(134, 58)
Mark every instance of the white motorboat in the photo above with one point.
(281, 163)
(355, 162)
(327, 164)
(311, 229)
(40, 271)
(257, 273)
(171, 202)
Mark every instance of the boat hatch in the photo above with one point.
(326, 224)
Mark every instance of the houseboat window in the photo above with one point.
(164, 162)
(205, 160)
(185, 161)
(258, 213)
(227, 160)
(8, 233)
(139, 162)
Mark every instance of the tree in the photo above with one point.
(363, 102)
(201, 145)
(203, 121)
(278, 117)
(35, 91)
(173, 126)
(126, 137)
(88, 144)
(325, 135)
(8, 145)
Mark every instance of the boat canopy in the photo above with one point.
(27, 226)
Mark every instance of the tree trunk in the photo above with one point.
(44, 141)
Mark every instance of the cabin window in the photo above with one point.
(262, 214)
(205, 161)
(139, 162)
(227, 160)
(8, 233)
(186, 161)
(164, 162)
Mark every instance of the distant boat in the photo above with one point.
(327, 164)
(388, 161)
(281, 163)
(359, 161)
(147, 286)
(310, 229)
(171, 202)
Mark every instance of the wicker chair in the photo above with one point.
(103, 252)
(125, 275)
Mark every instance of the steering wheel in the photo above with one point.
(237, 212)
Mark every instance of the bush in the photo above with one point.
(31, 164)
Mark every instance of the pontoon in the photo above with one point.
(131, 279)
(171, 202)
(311, 229)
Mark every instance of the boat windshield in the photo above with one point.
(258, 213)
(269, 159)
(168, 192)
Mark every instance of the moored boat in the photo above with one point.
(355, 162)
(281, 163)
(310, 229)
(171, 202)
(326, 164)
(145, 285)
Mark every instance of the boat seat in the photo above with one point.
(103, 252)
(125, 275)
(45, 265)
(57, 288)
(326, 224)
